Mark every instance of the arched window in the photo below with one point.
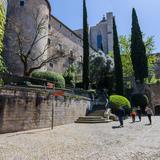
(21, 3)
(71, 53)
(99, 41)
(60, 47)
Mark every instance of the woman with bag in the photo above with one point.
(149, 114)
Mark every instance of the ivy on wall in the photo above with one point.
(2, 25)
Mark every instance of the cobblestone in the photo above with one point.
(136, 141)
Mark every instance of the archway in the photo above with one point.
(157, 110)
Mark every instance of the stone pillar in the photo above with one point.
(110, 31)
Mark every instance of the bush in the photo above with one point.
(2, 26)
(56, 78)
(139, 100)
(1, 82)
(118, 101)
(70, 76)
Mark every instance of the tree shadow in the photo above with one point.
(134, 121)
(148, 124)
(116, 127)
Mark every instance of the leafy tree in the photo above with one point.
(125, 43)
(70, 75)
(149, 44)
(101, 71)
(2, 23)
(117, 61)
(138, 50)
(85, 48)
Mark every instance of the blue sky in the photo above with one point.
(148, 11)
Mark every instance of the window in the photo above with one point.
(49, 26)
(47, 17)
(81, 59)
(51, 65)
(99, 41)
(49, 41)
(71, 53)
(60, 47)
(21, 3)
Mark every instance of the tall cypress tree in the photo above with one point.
(85, 48)
(117, 61)
(138, 51)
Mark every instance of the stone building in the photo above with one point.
(23, 18)
(64, 41)
(59, 38)
(101, 35)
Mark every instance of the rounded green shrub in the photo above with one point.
(54, 77)
(118, 101)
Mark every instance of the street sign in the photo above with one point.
(50, 85)
(58, 93)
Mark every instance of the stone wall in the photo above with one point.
(25, 109)
(155, 93)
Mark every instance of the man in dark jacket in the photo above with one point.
(121, 114)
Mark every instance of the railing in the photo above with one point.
(15, 80)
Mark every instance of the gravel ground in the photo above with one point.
(136, 141)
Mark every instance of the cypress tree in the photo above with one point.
(85, 48)
(138, 51)
(117, 61)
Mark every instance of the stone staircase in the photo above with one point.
(95, 116)
(97, 113)
(92, 119)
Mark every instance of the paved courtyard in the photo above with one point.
(136, 141)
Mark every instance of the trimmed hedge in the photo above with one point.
(118, 101)
(56, 78)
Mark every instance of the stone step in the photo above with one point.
(92, 119)
(95, 121)
(97, 113)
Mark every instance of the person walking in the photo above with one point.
(133, 115)
(121, 114)
(139, 113)
(149, 114)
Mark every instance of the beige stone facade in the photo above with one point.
(61, 40)
(101, 35)
(23, 17)
(64, 40)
